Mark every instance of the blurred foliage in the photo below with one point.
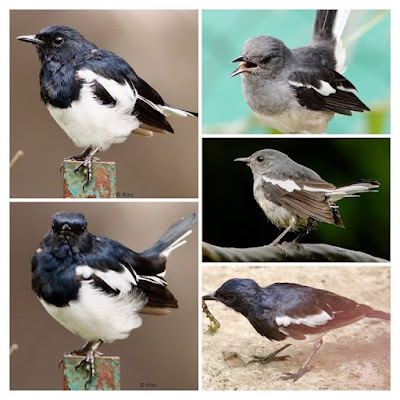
(367, 42)
(232, 218)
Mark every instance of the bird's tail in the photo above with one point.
(378, 314)
(329, 25)
(352, 190)
(172, 238)
(169, 110)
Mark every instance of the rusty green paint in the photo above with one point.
(102, 185)
(107, 374)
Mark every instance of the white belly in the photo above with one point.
(88, 122)
(96, 315)
(278, 215)
(300, 120)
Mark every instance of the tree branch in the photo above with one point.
(286, 252)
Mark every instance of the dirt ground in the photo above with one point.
(355, 357)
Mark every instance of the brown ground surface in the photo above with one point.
(356, 357)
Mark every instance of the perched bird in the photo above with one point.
(94, 95)
(295, 197)
(299, 90)
(96, 287)
(291, 313)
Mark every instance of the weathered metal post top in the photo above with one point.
(102, 185)
(107, 374)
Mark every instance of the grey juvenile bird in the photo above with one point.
(295, 197)
(299, 90)
(291, 313)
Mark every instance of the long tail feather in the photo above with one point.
(172, 238)
(353, 189)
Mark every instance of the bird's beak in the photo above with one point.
(209, 297)
(66, 231)
(30, 39)
(244, 66)
(243, 159)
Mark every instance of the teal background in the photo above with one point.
(224, 33)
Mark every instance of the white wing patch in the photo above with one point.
(121, 281)
(311, 320)
(325, 90)
(288, 184)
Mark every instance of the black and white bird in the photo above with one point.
(96, 287)
(94, 95)
(299, 90)
(294, 197)
(291, 314)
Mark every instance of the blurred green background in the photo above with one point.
(232, 218)
(367, 42)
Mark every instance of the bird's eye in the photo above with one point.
(58, 41)
(260, 158)
(231, 298)
(265, 59)
(53, 225)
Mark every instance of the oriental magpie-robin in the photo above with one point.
(96, 287)
(299, 90)
(94, 95)
(295, 197)
(291, 313)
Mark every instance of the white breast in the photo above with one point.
(97, 315)
(88, 122)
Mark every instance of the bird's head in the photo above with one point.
(262, 160)
(238, 294)
(262, 56)
(68, 226)
(57, 43)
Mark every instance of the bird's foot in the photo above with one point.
(86, 164)
(280, 247)
(88, 360)
(295, 376)
(267, 359)
(77, 157)
(299, 245)
(79, 352)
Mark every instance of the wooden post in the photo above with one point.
(107, 374)
(102, 185)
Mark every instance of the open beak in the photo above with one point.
(209, 297)
(243, 159)
(244, 66)
(30, 39)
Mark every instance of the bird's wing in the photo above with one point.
(110, 70)
(307, 311)
(305, 198)
(326, 90)
(115, 268)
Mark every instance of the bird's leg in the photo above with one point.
(88, 359)
(79, 157)
(302, 233)
(270, 357)
(86, 164)
(305, 368)
(281, 235)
